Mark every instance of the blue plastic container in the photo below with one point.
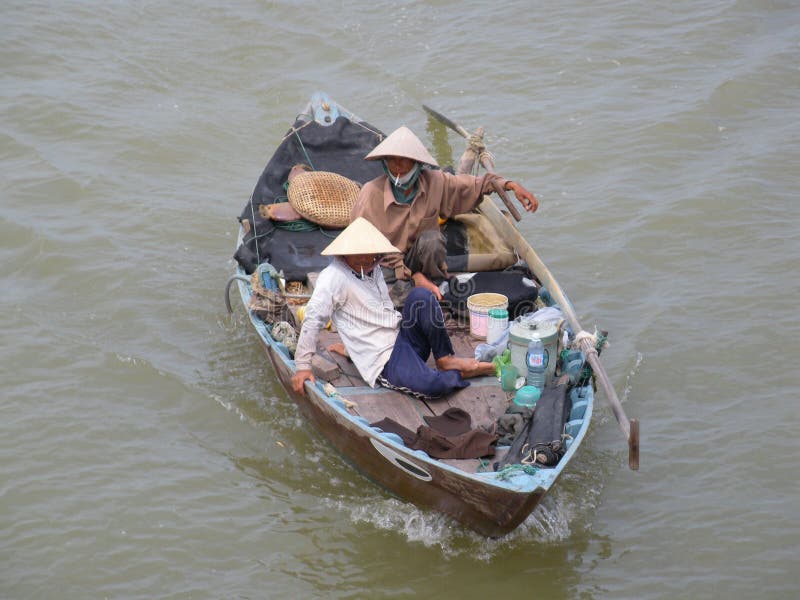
(527, 396)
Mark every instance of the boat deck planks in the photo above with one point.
(484, 400)
(403, 409)
(474, 465)
(350, 376)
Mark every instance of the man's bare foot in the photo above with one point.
(468, 367)
(338, 348)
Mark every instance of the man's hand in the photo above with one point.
(525, 198)
(421, 281)
(299, 378)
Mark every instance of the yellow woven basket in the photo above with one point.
(323, 198)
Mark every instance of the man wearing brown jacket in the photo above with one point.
(410, 201)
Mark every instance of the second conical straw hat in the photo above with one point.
(402, 142)
(360, 237)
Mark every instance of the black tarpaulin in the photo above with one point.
(338, 148)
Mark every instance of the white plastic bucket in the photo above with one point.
(497, 325)
(479, 306)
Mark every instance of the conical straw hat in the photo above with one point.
(360, 237)
(402, 142)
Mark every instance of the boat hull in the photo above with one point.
(488, 509)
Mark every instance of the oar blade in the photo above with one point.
(444, 120)
(633, 445)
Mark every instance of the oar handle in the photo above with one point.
(467, 160)
(488, 164)
(511, 208)
(629, 427)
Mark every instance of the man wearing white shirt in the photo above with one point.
(387, 348)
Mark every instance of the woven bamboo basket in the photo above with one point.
(323, 198)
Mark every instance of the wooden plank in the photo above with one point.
(464, 345)
(383, 403)
(323, 368)
(342, 381)
(469, 465)
(484, 400)
(350, 377)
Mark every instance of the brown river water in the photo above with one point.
(147, 449)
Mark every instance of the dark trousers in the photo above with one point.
(422, 331)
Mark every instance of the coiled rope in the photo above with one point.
(509, 471)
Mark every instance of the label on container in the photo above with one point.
(537, 359)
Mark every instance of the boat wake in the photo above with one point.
(549, 523)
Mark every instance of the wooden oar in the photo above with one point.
(630, 427)
(485, 159)
(444, 120)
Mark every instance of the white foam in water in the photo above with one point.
(629, 379)
(230, 406)
(551, 524)
(545, 524)
(432, 529)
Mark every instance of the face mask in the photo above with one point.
(398, 181)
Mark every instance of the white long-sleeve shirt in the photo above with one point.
(363, 315)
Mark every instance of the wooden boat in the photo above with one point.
(342, 409)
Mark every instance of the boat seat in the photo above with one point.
(349, 375)
(379, 403)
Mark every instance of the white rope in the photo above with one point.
(585, 335)
(294, 131)
(484, 153)
(592, 338)
(530, 458)
(332, 392)
(377, 134)
(476, 143)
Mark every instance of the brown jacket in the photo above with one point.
(439, 194)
